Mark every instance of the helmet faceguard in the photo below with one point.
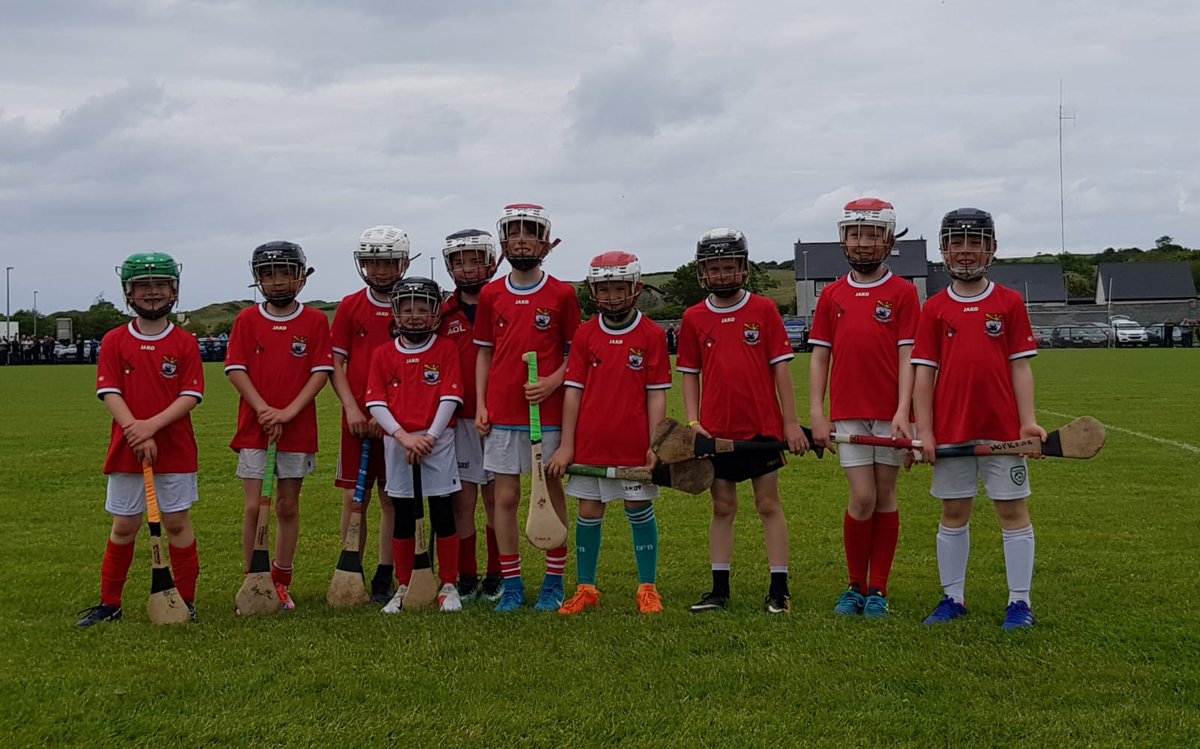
(280, 271)
(147, 270)
(382, 257)
(417, 307)
(524, 232)
(614, 280)
(868, 232)
(967, 240)
(714, 250)
(470, 257)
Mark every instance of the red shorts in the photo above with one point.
(349, 457)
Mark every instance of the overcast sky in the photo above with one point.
(206, 128)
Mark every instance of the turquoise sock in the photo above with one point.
(587, 548)
(645, 542)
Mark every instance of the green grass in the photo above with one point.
(1112, 663)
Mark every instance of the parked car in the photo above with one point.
(64, 352)
(1129, 332)
(1089, 337)
(1155, 334)
(1043, 337)
(797, 333)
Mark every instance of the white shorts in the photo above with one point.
(508, 451)
(610, 490)
(439, 469)
(176, 492)
(852, 456)
(1005, 477)
(468, 451)
(252, 464)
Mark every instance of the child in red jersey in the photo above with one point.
(866, 321)
(470, 257)
(362, 323)
(974, 385)
(736, 342)
(413, 390)
(149, 377)
(527, 310)
(279, 358)
(618, 374)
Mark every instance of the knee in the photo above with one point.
(287, 510)
(125, 527)
(406, 521)
(441, 516)
(725, 508)
(177, 523)
(768, 506)
(507, 502)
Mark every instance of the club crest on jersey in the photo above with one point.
(750, 333)
(299, 345)
(432, 374)
(883, 310)
(541, 319)
(170, 365)
(994, 324)
(637, 357)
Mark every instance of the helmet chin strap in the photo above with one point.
(524, 263)
(472, 288)
(414, 338)
(725, 292)
(865, 266)
(281, 301)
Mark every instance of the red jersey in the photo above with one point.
(513, 320)
(615, 368)
(971, 341)
(413, 382)
(279, 354)
(458, 326)
(150, 373)
(863, 325)
(360, 325)
(734, 349)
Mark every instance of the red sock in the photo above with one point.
(280, 575)
(885, 533)
(118, 558)
(468, 565)
(493, 551)
(510, 566)
(856, 535)
(185, 566)
(556, 561)
(447, 558)
(403, 552)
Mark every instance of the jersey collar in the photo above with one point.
(371, 298)
(727, 310)
(886, 277)
(526, 290)
(977, 298)
(262, 308)
(637, 318)
(419, 349)
(133, 331)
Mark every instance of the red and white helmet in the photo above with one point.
(384, 242)
(868, 212)
(615, 265)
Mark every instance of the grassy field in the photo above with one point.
(1114, 661)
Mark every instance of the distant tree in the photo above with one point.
(684, 287)
(587, 305)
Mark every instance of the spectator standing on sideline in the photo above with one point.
(672, 340)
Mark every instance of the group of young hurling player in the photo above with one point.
(438, 390)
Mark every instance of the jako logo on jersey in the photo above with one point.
(863, 293)
(637, 357)
(169, 366)
(432, 374)
(728, 319)
(147, 347)
(541, 319)
(970, 309)
(883, 310)
(750, 333)
(994, 324)
(299, 345)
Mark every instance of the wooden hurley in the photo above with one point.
(543, 527)
(673, 442)
(1081, 439)
(868, 439)
(423, 587)
(346, 589)
(165, 606)
(257, 596)
(692, 476)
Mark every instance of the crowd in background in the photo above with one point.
(46, 350)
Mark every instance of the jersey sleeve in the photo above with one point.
(577, 366)
(339, 332)
(688, 359)
(236, 356)
(571, 317)
(823, 322)
(482, 332)
(191, 373)
(323, 351)
(451, 386)
(377, 380)
(658, 361)
(1019, 338)
(907, 316)
(110, 377)
(779, 348)
(927, 347)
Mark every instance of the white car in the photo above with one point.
(1129, 333)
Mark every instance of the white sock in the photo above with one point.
(1018, 562)
(953, 549)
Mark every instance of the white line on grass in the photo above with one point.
(1143, 435)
